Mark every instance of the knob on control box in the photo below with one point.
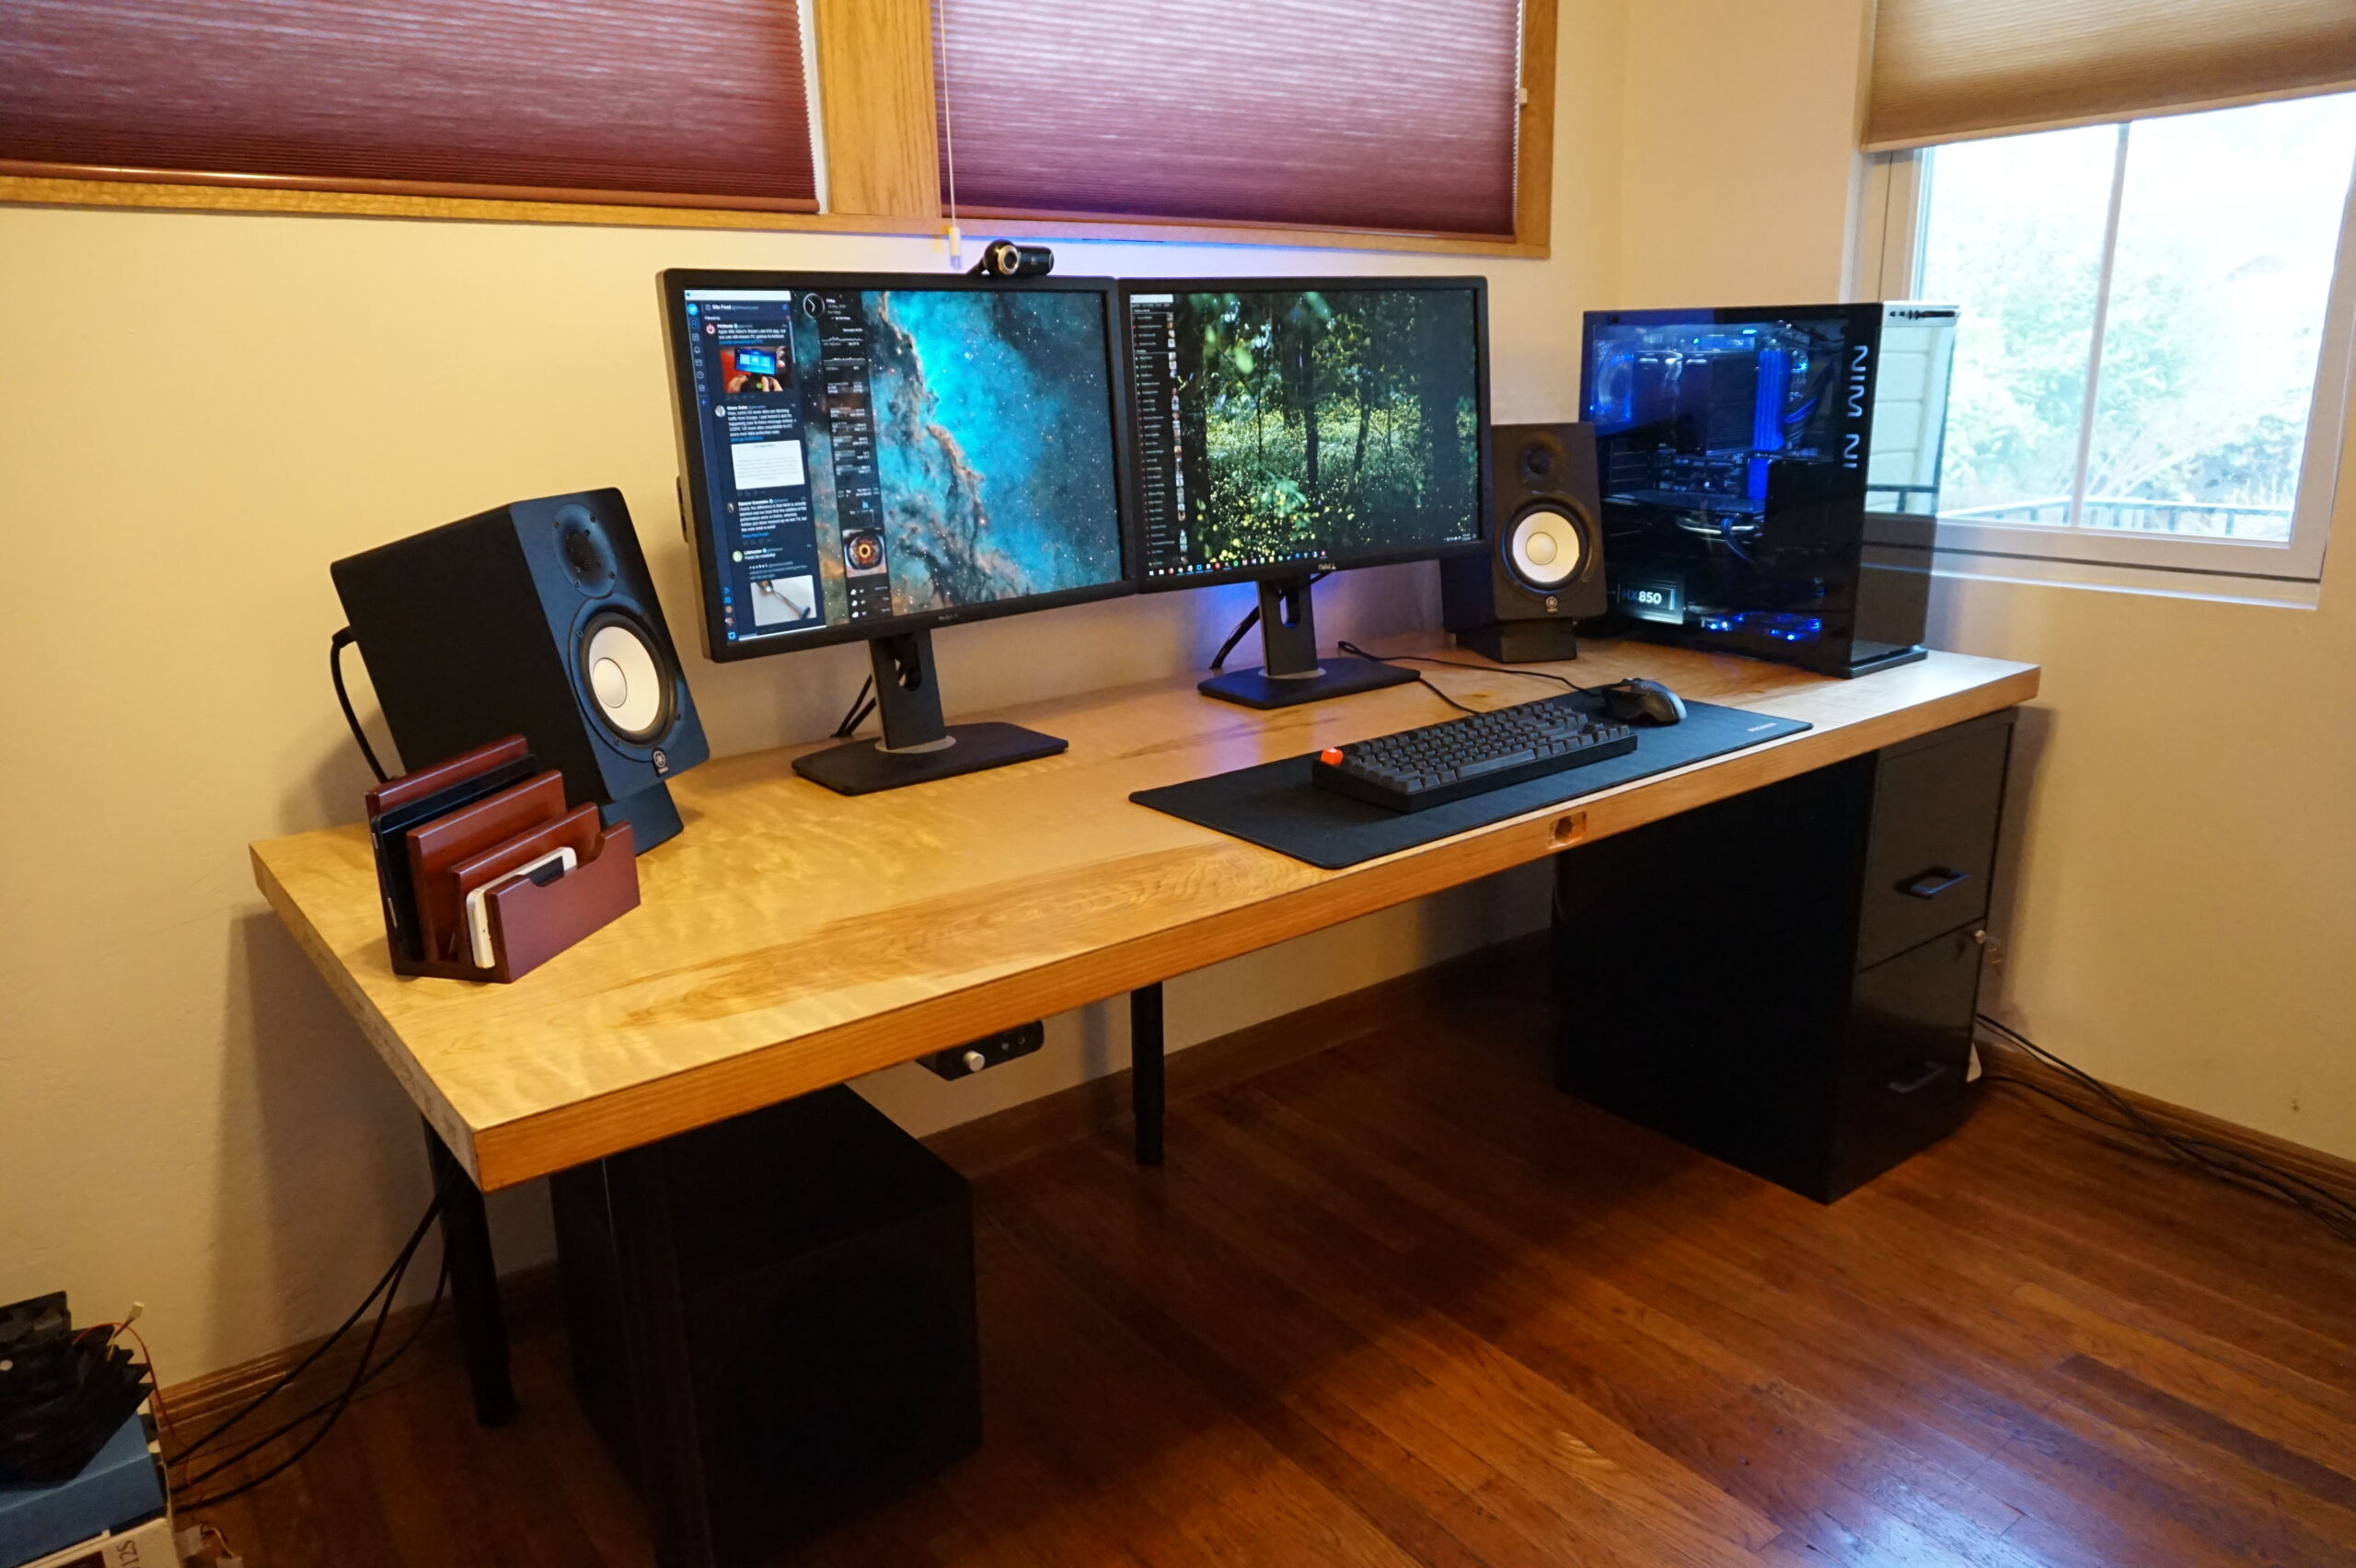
(964, 1061)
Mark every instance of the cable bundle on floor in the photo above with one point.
(328, 1411)
(2245, 1170)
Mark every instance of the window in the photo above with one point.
(1303, 112)
(2153, 362)
(1417, 125)
(683, 102)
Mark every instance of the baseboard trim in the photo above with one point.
(531, 1296)
(1102, 1104)
(2326, 1170)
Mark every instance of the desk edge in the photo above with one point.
(506, 1153)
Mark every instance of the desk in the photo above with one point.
(791, 939)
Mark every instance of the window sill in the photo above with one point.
(372, 199)
(2117, 577)
(242, 196)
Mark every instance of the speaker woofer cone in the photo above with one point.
(625, 680)
(1547, 547)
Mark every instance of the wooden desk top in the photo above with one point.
(791, 939)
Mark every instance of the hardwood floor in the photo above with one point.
(1399, 1302)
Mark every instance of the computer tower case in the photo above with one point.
(1771, 475)
(772, 1320)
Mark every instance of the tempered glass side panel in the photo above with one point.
(1910, 412)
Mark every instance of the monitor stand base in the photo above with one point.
(1294, 673)
(1334, 678)
(916, 747)
(862, 768)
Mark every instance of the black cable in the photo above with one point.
(332, 1406)
(391, 1276)
(1426, 683)
(1463, 665)
(2195, 1151)
(363, 1374)
(1352, 648)
(857, 713)
(2329, 1214)
(2235, 1166)
(336, 645)
(1251, 618)
(2189, 1148)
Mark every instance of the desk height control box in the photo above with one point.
(1771, 475)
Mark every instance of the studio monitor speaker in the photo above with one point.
(772, 1319)
(1544, 567)
(536, 619)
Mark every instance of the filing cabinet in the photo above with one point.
(1786, 980)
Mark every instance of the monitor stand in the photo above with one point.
(1294, 673)
(915, 746)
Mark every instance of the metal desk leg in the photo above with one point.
(474, 1285)
(1145, 1070)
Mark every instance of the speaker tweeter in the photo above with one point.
(1519, 600)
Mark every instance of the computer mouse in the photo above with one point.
(1638, 702)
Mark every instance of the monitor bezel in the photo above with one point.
(1339, 561)
(672, 288)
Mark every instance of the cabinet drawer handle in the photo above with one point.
(1933, 882)
(1932, 1073)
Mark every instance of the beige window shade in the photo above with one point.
(1398, 116)
(691, 101)
(1947, 70)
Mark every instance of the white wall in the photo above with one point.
(2184, 911)
(197, 414)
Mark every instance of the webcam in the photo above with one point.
(1004, 259)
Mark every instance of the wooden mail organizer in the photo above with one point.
(483, 874)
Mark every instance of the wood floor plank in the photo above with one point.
(1522, 1414)
(1281, 1347)
(1394, 1301)
(1618, 1341)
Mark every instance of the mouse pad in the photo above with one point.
(1275, 806)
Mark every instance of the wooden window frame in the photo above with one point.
(1887, 263)
(878, 161)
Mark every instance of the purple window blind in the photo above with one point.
(701, 100)
(1383, 114)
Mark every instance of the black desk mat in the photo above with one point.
(1275, 806)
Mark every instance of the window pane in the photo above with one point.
(2226, 240)
(2014, 236)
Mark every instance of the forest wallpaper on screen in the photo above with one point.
(1336, 421)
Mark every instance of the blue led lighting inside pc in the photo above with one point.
(1771, 475)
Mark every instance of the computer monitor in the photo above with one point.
(868, 456)
(1284, 428)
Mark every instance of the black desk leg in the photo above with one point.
(474, 1285)
(1145, 1070)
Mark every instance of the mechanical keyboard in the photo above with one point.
(1415, 769)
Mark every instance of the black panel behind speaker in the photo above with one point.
(772, 1319)
(1544, 567)
(538, 619)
